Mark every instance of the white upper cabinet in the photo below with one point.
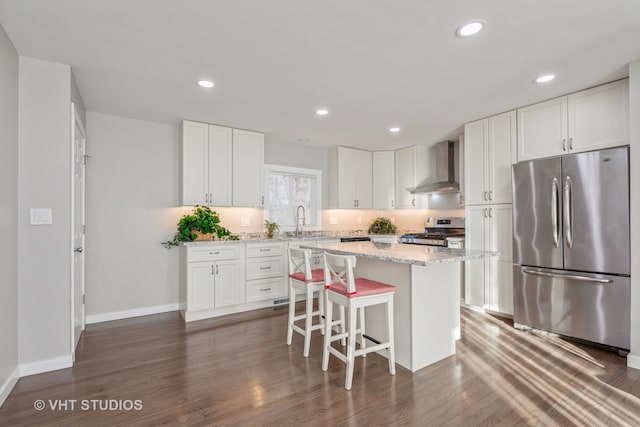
(206, 164)
(489, 150)
(383, 180)
(588, 120)
(410, 170)
(248, 161)
(352, 181)
(599, 117)
(542, 129)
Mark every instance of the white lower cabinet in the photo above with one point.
(212, 277)
(489, 281)
(266, 271)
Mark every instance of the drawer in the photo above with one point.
(214, 252)
(262, 268)
(260, 290)
(255, 250)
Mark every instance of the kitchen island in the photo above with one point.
(427, 300)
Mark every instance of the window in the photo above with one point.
(286, 189)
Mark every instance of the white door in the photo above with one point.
(78, 227)
(500, 285)
(476, 271)
(363, 179)
(228, 289)
(501, 154)
(542, 129)
(220, 161)
(248, 161)
(405, 170)
(346, 178)
(195, 163)
(383, 180)
(475, 152)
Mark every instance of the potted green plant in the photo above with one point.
(201, 224)
(271, 227)
(382, 225)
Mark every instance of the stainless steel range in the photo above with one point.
(436, 232)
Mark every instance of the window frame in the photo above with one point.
(290, 170)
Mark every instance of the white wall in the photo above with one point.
(132, 190)
(45, 182)
(8, 216)
(633, 359)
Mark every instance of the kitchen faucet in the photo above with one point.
(298, 228)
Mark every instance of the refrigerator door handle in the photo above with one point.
(554, 212)
(568, 212)
(567, 276)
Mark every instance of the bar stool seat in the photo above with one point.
(303, 278)
(354, 295)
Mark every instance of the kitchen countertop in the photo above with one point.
(401, 253)
(262, 238)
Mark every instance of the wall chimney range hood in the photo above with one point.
(446, 160)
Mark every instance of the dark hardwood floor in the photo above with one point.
(238, 370)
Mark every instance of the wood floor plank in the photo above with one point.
(238, 371)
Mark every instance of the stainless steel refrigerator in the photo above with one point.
(571, 245)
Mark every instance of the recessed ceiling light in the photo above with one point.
(545, 78)
(470, 28)
(394, 129)
(322, 111)
(208, 84)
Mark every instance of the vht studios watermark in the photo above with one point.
(88, 405)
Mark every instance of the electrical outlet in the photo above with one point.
(359, 220)
(333, 220)
(245, 222)
(40, 216)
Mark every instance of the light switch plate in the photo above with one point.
(245, 222)
(40, 216)
(333, 220)
(359, 220)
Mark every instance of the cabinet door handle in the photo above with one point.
(265, 250)
(265, 289)
(571, 143)
(210, 198)
(265, 268)
(564, 144)
(490, 195)
(214, 253)
(490, 212)
(484, 212)
(212, 271)
(262, 200)
(413, 201)
(392, 203)
(216, 268)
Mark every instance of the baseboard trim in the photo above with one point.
(126, 314)
(7, 386)
(46, 365)
(633, 361)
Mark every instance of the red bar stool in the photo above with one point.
(302, 277)
(354, 295)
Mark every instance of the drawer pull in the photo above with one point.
(265, 250)
(265, 268)
(265, 289)
(214, 253)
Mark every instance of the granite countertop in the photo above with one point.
(401, 253)
(287, 237)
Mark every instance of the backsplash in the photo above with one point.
(335, 222)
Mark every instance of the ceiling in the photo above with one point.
(372, 63)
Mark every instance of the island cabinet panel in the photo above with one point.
(426, 305)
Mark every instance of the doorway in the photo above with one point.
(78, 141)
